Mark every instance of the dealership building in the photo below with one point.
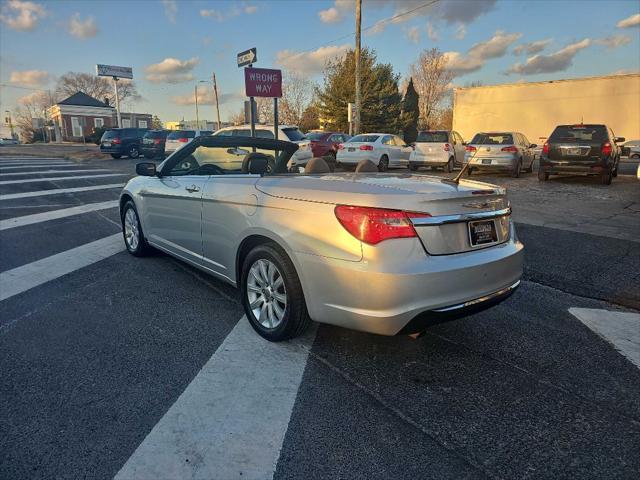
(535, 108)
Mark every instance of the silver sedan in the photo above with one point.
(378, 252)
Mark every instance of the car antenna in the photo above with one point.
(465, 167)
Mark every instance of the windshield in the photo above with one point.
(181, 134)
(294, 134)
(579, 133)
(364, 138)
(433, 137)
(492, 139)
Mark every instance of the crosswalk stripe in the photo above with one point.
(56, 191)
(51, 179)
(46, 172)
(55, 214)
(26, 277)
(41, 165)
(231, 419)
(14, 159)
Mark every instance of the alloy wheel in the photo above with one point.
(266, 293)
(131, 231)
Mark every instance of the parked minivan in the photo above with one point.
(122, 141)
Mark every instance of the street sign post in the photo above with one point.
(116, 73)
(248, 57)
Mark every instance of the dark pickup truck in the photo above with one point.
(581, 149)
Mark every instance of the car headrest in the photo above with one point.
(256, 163)
(366, 166)
(317, 165)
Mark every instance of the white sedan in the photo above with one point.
(382, 149)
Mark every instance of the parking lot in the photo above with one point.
(144, 367)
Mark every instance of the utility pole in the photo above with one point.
(357, 58)
(115, 83)
(197, 115)
(10, 123)
(215, 90)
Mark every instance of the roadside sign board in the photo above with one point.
(248, 57)
(114, 71)
(263, 82)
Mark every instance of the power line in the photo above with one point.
(377, 24)
(23, 87)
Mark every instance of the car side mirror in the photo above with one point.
(146, 169)
(619, 139)
(533, 145)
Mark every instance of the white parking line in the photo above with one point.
(40, 165)
(56, 191)
(622, 329)
(231, 420)
(51, 179)
(55, 214)
(45, 172)
(26, 277)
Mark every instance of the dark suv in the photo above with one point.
(153, 143)
(590, 149)
(122, 141)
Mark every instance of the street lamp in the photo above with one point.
(196, 95)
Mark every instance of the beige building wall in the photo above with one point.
(536, 108)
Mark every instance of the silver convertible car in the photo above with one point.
(378, 252)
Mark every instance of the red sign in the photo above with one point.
(262, 82)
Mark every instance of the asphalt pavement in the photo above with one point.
(116, 366)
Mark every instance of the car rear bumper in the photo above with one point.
(420, 159)
(119, 150)
(149, 150)
(386, 298)
(568, 166)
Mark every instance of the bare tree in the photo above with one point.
(238, 118)
(32, 106)
(432, 82)
(264, 108)
(97, 87)
(297, 95)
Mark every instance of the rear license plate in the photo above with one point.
(574, 151)
(486, 161)
(106, 144)
(351, 149)
(482, 232)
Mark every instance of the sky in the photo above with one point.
(172, 45)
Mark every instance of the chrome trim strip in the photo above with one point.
(462, 217)
(478, 300)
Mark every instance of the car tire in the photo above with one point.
(449, 167)
(132, 231)
(133, 152)
(635, 156)
(542, 175)
(469, 171)
(116, 155)
(517, 169)
(383, 164)
(614, 173)
(530, 169)
(258, 284)
(413, 168)
(606, 177)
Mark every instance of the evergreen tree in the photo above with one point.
(410, 114)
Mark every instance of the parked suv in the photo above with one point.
(437, 148)
(502, 151)
(122, 141)
(153, 143)
(586, 149)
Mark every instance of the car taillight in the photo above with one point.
(340, 146)
(366, 147)
(606, 149)
(470, 148)
(374, 225)
(447, 147)
(116, 141)
(545, 147)
(157, 141)
(183, 140)
(512, 149)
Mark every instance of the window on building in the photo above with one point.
(126, 123)
(142, 124)
(98, 122)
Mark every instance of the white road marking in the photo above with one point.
(27, 159)
(231, 420)
(622, 329)
(51, 179)
(26, 277)
(41, 165)
(46, 172)
(56, 191)
(55, 214)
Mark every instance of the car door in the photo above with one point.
(529, 152)
(389, 149)
(404, 151)
(173, 208)
(459, 148)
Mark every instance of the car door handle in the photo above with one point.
(192, 188)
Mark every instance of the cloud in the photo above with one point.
(632, 21)
(613, 41)
(170, 10)
(82, 29)
(29, 78)
(250, 9)
(206, 96)
(461, 31)
(531, 47)
(451, 12)
(171, 70)
(413, 34)
(22, 16)
(309, 63)
(221, 16)
(479, 53)
(336, 13)
(555, 62)
(431, 33)
(460, 64)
